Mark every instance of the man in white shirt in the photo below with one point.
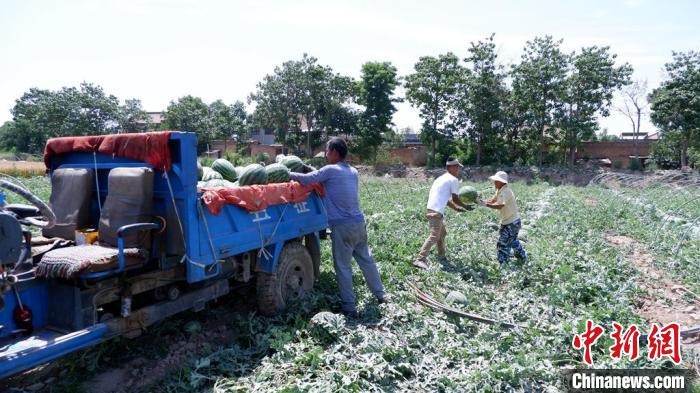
(504, 202)
(443, 193)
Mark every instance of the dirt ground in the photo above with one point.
(579, 176)
(664, 300)
(140, 373)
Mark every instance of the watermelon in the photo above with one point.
(211, 174)
(294, 163)
(277, 173)
(253, 174)
(468, 194)
(239, 171)
(200, 170)
(226, 169)
(455, 297)
(205, 170)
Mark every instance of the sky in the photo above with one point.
(159, 50)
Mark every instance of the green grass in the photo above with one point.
(39, 185)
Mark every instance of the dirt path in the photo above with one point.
(142, 372)
(664, 300)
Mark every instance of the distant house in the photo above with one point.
(154, 121)
(264, 136)
(641, 136)
(155, 118)
(411, 139)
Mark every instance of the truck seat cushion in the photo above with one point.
(149, 147)
(129, 201)
(71, 195)
(258, 197)
(68, 262)
(42, 245)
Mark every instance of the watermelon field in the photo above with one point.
(609, 252)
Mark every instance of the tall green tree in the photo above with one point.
(42, 114)
(538, 82)
(587, 92)
(514, 121)
(132, 117)
(375, 91)
(482, 97)
(226, 120)
(189, 113)
(432, 88)
(675, 105)
(300, 100)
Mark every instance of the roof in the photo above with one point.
(155, 117)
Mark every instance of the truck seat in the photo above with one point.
(71, 196)
(129, 201)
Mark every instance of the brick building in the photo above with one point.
(619, 152)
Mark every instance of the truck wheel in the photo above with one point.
(314, 249)
(293, 279)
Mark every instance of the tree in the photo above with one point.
(537, 85)
(189, 114)
(376, 93)
(634, 106)
(675, 105)
(226, 120)
(586, 93)
(481, 98)
(432, 88)
(132, 117)
(42, 114)
(514, 120)
(300, 93)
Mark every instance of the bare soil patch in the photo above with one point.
(664, 300)
(590, 202)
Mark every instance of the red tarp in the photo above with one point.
(150, 147)
(258, 197)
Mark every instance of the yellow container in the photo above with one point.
(86, 236)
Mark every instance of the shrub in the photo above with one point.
(694, 157)
(384, 157)
(666, 152)
(262, 157)
(206, 161)
(234, 158)
(617, 164)
(636, 165)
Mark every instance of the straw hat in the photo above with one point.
(453, 162)
(500, 176)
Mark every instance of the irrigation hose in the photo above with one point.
(428, 301)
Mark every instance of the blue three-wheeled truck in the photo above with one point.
(160, 250)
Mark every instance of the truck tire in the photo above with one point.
(314, 249)
(293, 279)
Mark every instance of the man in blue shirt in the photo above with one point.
(347, 223)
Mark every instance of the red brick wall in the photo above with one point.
(272, 151)
(219, 145)
(615, 151)
(411, 155)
